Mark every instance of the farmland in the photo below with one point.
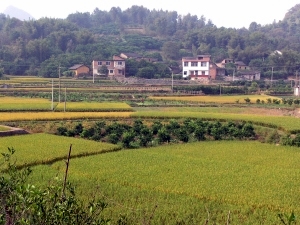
(34, 149)
(185, 178)
(214, 99)
(245, 181)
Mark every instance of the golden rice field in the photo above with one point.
(215, 98)
(38, 116)
(18, 103)
(184, 182)
(32, 149)
(93, 106)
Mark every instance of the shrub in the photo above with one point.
(163, 135)
(247, 100)
(61, 131)
(23, 203)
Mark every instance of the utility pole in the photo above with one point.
(172, 82)
(220, 89)
(272, 77)
(52, 105)
(296, 81)
(65, 105)
(59, 83)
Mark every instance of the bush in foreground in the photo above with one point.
(23, 203)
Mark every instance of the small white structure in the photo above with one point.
(296, 91)
(196, 67)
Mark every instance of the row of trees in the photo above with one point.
(139, 134)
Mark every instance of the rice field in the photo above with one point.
(182, 183)
(23, 104)
(93, 106)
(33, 149)
(215, 98)
(50, 116)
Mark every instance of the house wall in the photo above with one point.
(115, 68)
(194, 66)
(82, 70)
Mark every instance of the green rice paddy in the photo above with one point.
(253, 181)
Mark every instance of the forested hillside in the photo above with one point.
(39, 47)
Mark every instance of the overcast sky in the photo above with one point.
(227, 13)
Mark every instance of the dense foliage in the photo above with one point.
(139, 134)
(23, 203)
(40, 47)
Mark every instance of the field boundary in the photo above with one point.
(12, 131)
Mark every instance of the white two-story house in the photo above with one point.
(196, 68)
(115, 67)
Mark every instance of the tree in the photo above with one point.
(127, 138)
(103, 70)
(171, 50)
(200, 133)
(145, 136)
(1, 72)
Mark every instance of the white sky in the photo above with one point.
(227, 13)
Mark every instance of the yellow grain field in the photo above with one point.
(215, 99)
(38, 116)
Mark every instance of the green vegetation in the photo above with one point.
(182, 182)
(42, 148)
(286, 123)
(162, 35)
(138, 134)
(4, 128)
(23, 203)
(24, 104)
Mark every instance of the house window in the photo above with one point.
(119, 63)
(203, 64)
(186, 64)
(184, 72)
(194, 63)
(99, 63)
(203, 72)
(120, 71)
(196, 72)
(111, 71)
(108, 63)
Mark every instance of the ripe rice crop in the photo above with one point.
(252, 180)
(24, 104)
(94, 106)
(33, 149)
(38, 116)
(215, 99)
(287, 123)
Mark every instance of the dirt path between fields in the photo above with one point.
(12, 131)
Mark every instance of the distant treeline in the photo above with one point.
(40, 47)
